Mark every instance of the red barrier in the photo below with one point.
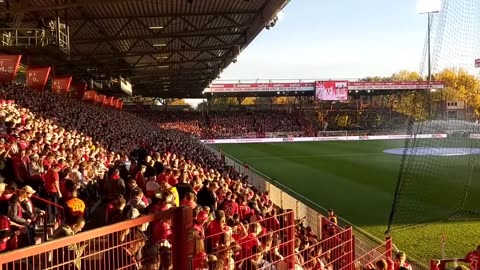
(110, 247)
(333, 252)
(329, 228)
(253, 242)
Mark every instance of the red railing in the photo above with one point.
(58, 206)
(333, 252)
(277, 242)
(109, 247)
(381, 252)
(46, 217)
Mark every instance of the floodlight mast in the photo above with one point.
(429, 7)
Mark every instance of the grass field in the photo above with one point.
(358, 180)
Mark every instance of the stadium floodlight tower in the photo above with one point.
(429, 7)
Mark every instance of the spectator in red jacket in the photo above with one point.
(140, 179)
(52, 190)
(473, 258)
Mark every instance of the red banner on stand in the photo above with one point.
(107, 101)
(89, 95)
(99, 99)
(8, 67)
(113, 102)
(401, 85)
(119, 104)
(61, 84)
(37, 77)
(79, 89)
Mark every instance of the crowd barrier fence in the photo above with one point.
(109, 247)
(312, 213)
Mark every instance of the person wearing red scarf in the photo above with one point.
(114, 186)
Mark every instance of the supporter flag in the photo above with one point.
(8, 67)
(79, 89)
(61, 84)
(119, 104)
(99, 99)
(37, 77)
(107, 101)
(113, 102)
(89, 95)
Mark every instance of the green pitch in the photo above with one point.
(358, 180)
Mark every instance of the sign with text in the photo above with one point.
(100, 98)
(331, 90)
(259, 87)
(113, 102)
(61, 84)
(89, 95)
(119, 104)
(37, 77)
(403, 85)
(107, 101)
(8, 67)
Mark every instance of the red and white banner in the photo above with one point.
(107, 101)
(331, 90)
(405, 85)
(8, 67)
(79, 89)
(113, 102)
(100, 98)
(61, 84)
(89, 95)
(477, 63)
(259, 87)
(37, 77)
(119, 104)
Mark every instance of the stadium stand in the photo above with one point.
(261, 122)
(72, 153)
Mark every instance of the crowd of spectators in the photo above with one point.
(70, 153)
(238, 123)
(185, 121)
(244, 123)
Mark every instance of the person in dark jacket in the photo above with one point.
(206, 196)
(15, 214)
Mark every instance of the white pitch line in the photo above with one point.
(310, 156)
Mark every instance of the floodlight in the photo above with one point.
(428, 6)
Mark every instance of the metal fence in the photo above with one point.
(303, 207)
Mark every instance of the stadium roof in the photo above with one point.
(166, 48)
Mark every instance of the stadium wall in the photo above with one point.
(324, 139)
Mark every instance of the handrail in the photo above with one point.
(48, 202)
(77, 238)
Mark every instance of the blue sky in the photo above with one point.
(322, 39)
